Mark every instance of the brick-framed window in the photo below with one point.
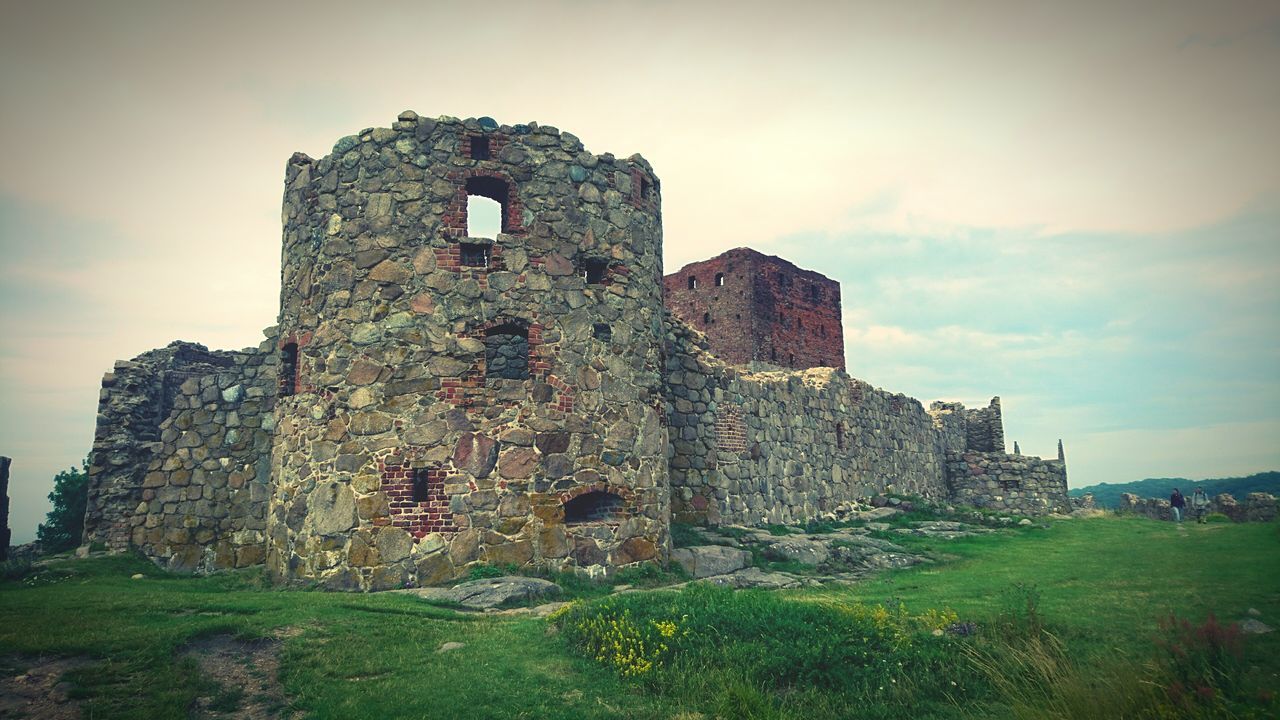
(416, 496)
(594, 270)
(597, 503)
(480, 182)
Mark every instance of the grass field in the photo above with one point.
(1078, 601)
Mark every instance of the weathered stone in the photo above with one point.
(475, 454)
(707, 560)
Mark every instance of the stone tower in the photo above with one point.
(447, 399)
(756, 307)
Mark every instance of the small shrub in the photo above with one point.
(1204, 662)
(1217, 517)
(685, 535)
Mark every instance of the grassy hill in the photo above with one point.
(1108, 494)
(1039, 622)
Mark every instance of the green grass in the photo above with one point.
(1097, 588)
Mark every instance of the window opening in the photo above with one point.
(706, 318)
(473, 255)
(289, 369)
(421, 485)
(594, 270)
(773, 355)
(601, 331)
(645, 189)
(487, 199)
(784, 280)
(479, 148)
(506, 352)
(822, 330)
(791, 359)
(693, 282)
(799, 323)
(719, 279)
(815, 293)
(839, 436)
(594, 506)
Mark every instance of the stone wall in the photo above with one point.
(464, 399)
(179, 469)
(4, 507)
(781, 447)
(1008, 483)
(1257, 507)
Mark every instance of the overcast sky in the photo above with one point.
(1074, 205)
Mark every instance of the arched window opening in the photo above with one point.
(479, 148)
(719, 279)
(506, 352)
(289, 369)
(595, 506)
(487, 199)
(693, 282)
(594, 270)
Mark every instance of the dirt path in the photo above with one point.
(244, 676)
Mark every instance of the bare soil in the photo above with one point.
(35, 688)
(243, 679)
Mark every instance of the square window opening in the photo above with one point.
(474, 255)
(479, 148)
(594, 270)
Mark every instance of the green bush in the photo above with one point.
(1216, 518)
(64, 525)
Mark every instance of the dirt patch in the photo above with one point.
(242, 679)
(35, 688)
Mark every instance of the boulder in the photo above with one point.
(491, 592)
(707, 560)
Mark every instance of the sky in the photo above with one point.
(1074, 206)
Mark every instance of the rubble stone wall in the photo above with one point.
(181, 441)
(467, 399)
(1257, 507)
(799, 443)
(1009, 483)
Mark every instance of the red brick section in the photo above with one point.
(767, 309)
(299, 340)
(731, 431)
(419, 518)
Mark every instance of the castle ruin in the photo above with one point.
(430, 399)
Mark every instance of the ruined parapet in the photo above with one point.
(450, 399)
(5, 535)
(950, 419)
(784, 446)
(754, 307)
(984, 428)
(181, 431)
(1008, 483)
(136, 397)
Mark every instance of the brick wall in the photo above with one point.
(759, 308)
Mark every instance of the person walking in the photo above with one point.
(1199, 504)
(1176, 504)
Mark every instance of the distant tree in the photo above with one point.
(64, 525)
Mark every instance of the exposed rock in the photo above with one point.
(707, 560)
(490, 593)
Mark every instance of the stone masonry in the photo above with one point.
(431, 398)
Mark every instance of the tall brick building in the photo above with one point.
(753, 306)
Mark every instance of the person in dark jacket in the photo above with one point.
(1177, 503)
